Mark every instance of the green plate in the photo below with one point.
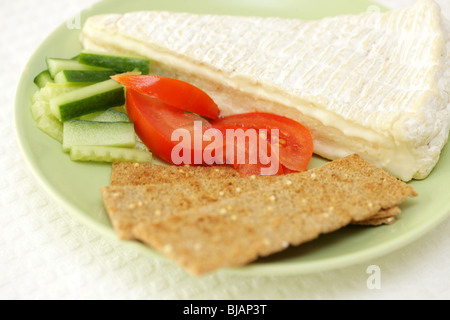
(76, 185)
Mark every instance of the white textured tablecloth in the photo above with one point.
(47, 254)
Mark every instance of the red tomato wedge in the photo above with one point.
(294, 140)
(249, 152)
(275, 145)
(155, 123)
(178, 94)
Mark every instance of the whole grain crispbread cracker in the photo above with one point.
(384, 217)
(377, 222)
(292, 210)
(130, 205)
(126, 173)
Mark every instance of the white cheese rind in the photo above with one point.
(380, 78)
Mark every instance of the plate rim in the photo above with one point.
(278, 268)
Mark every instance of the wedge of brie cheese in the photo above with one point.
(375, 84)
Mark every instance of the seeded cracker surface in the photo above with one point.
(143, 192)
(125, 173)
(233, 231)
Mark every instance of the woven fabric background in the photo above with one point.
(47, 254)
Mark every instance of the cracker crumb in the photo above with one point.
(390, 220)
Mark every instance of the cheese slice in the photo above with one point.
(375, 84)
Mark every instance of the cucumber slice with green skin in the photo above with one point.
(52, 90)
(106, 116)
(83, 76)
(56, 65)
(121, 109)
(103, 134)
(43, 78)
(109, 154)
(98, 97)
(117, 63)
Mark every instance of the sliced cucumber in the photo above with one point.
(56, 65)
(109, 154)
(43, 78)
(98, 97)
(39, 109)
(37, 96)
(140, 145)
(115, 62)
(106, 116)
(52, 90)
(122, 109)
(51, 126)
(83, 76)
(45, 120)
(104, 134)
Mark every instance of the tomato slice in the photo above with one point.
(272, 166)
(178, 94)
(162, 127)
(248, 152)
(293, 139)
(155, 123)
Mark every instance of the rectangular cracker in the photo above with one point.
(130, 205)
(125, 173)
(189, 186)
(384, 217)
(292, 210)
